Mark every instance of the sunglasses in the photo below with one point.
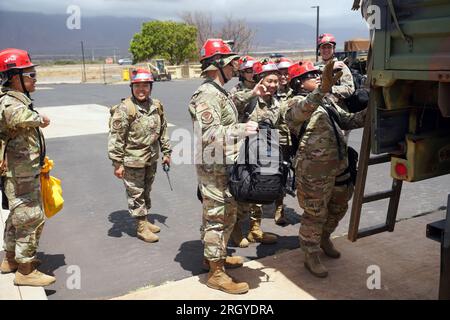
(311, 75)
(250, 70)
(31, 75)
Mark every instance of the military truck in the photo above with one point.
(159, 70)
(409, 105)
(410, 87)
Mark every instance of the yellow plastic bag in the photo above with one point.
(51, 190)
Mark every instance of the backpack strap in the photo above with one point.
(159, 107)
(131, 107)
(334, 118)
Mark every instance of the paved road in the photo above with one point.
(95, 235)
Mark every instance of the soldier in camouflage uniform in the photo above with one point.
(324, 186)
(25, 151)
(138, 129)
(284, 93)
(345, 87)
(215, 121)
(267, 108)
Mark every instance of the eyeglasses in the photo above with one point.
(31, 75)
(311, 75)
(250, 70)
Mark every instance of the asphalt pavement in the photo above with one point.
(93, 239)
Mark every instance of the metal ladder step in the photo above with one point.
(360, 198)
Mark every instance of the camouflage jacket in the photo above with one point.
(134, 140)
(344, 87)
(283, 97)
(241, 96)
(19, 129)
(215, 121)
(318, 147)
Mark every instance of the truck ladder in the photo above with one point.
(359, 198)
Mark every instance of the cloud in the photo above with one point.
(252, 10)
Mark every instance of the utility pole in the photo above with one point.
(317, 31)
(84, 64)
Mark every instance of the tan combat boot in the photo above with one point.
(28, 275)
(257, 235)
(314, 265)
(231, 262)
(219, 280)
(143, 232)
(153, 228)
(279, 214)
(237, 237)
(328, 246)
(9, 263)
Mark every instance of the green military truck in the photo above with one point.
(410, 87)
(409, 122)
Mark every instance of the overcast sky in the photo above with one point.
(331, 12)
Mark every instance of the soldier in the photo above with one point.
(24, 146)
(323, 180)
(266, 108)
(242, 92)
(138, 129)
(215, 119)
(283, 95)
(344, 88)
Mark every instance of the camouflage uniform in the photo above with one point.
(344, 87)
(264, 111)
(134, 142)
(241, 96)
(319, 168)
(215, 116)
(21, 133)
(285, 138)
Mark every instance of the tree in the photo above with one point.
(203, 23)
(237, 30)
(170, 40)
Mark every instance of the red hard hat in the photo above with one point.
(260, 67)
(326, 38)
(214, 47)
(14, 59)
(301, 68)
(284, 63)
(141, 75)
(246, 62)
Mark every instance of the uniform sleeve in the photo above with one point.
(118, 135)
(164, 140)
(18, 115)
(283, 128)
(241, 99)
(301, 108)
(205, 110)
(350, 121)
(346, 86)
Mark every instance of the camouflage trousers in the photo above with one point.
(26, 218)
(324, 206)
(138, 184)
(219, 213)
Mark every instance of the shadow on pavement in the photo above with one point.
(284, 243)
(51, 262)
(190, 256)
(123, 223)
